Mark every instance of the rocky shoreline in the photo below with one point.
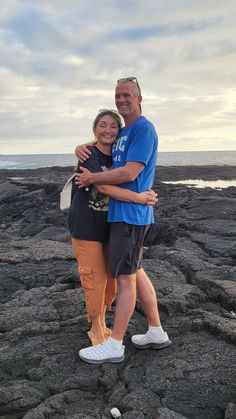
(190, 256)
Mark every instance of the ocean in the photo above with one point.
(181, 158)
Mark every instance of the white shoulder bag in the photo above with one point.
(65, 195)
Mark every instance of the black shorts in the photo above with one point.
(126, 248)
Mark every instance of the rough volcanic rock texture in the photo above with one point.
(190, 257)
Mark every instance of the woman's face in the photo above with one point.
(106, 130)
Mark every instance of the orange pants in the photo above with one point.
(98, 285)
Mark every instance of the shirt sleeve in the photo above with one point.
(92, 163)
(142, 145)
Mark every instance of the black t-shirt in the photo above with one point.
(89, 209)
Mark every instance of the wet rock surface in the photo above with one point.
(190, 257)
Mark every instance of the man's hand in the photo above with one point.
(148, 197)
(83, 179)
(83, 152)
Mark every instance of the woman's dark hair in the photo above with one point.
(103, 112)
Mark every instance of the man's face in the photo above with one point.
(127, 100)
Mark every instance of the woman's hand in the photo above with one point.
(148, 197)
(83, 152)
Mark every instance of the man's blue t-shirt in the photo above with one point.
(137, 143)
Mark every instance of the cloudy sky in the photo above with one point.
(60, 59)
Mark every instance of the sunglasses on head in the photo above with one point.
(130, 79)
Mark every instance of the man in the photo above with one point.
(134, 156)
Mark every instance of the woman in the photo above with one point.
(89, 228)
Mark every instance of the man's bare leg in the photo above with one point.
(125, 304)
(155, 337)
(147, 295)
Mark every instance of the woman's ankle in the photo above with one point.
(97, 331)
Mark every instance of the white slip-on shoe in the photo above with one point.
(147, 341)
(101, 353)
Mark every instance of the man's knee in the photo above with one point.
(126, 282)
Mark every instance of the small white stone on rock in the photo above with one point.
(115, 412)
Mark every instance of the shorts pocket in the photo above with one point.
(86, 278)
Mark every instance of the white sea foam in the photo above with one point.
(6, 164)
(200, 183)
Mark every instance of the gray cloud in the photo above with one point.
(60, 60)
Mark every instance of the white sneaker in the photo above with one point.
(149, 341)
(104, 352)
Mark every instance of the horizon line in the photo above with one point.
(59, 154)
